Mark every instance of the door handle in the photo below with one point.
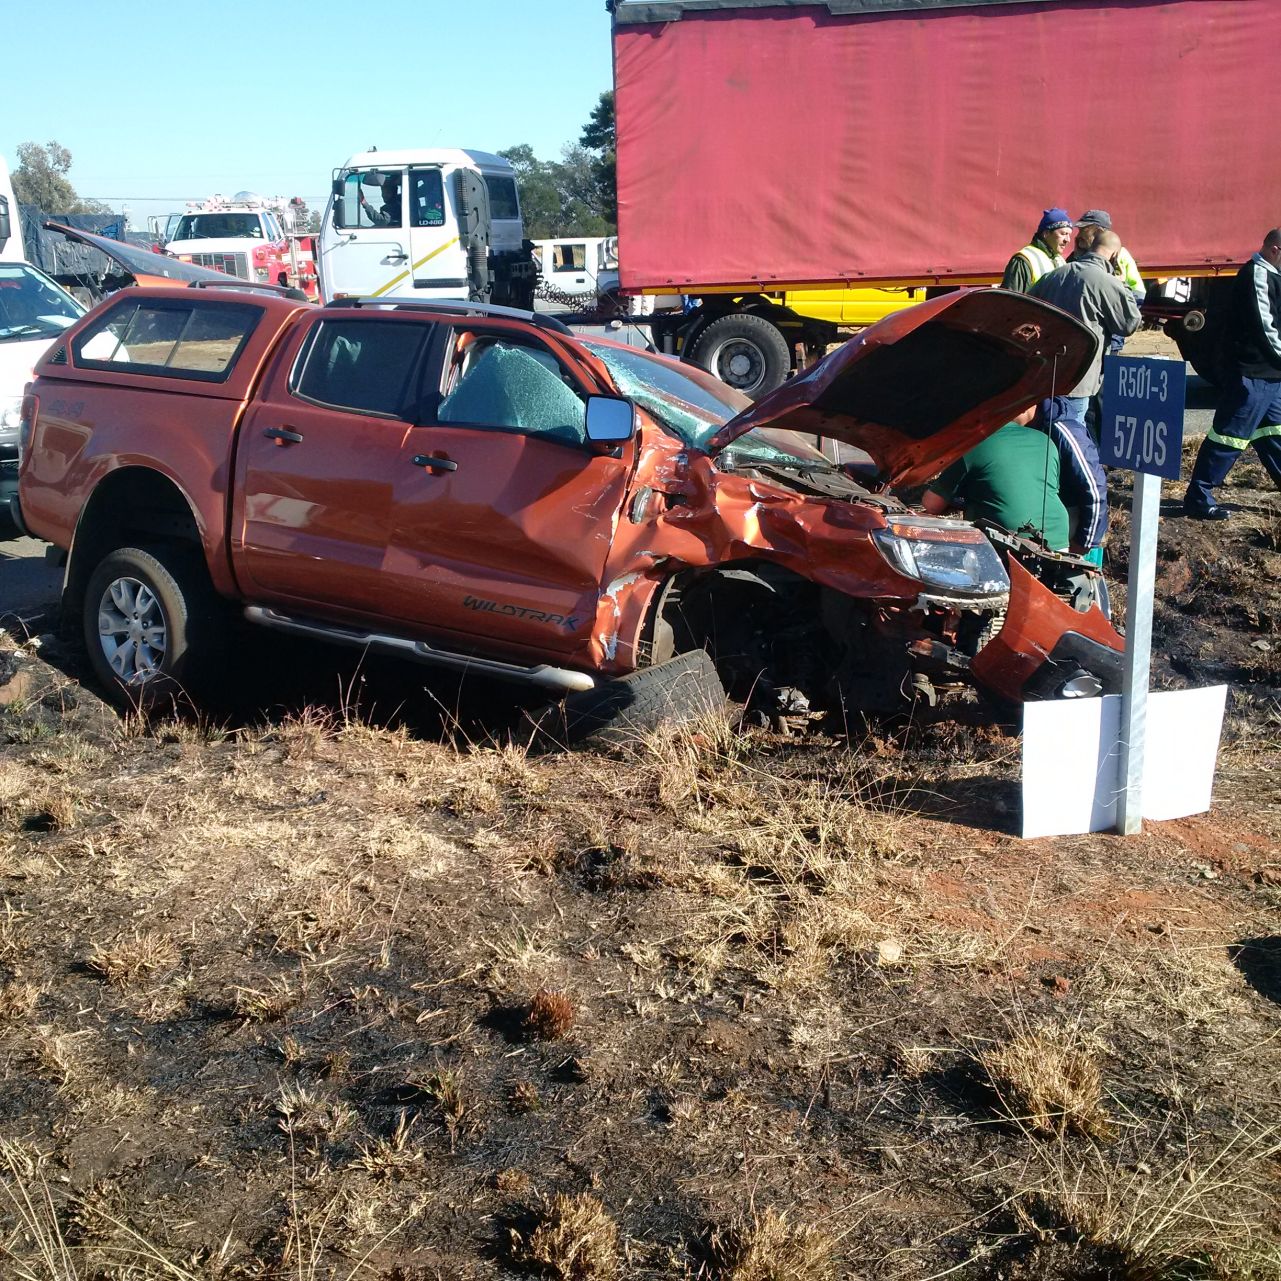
(283, 436)
(397, 258)
(434, 463)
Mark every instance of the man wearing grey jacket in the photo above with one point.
(1087, 289)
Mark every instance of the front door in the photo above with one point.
(317, 461)
(366, 251)
(503, 519)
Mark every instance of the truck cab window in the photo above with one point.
(426, 198)
(363, 364)
(368, 198)
(503, 203)
(571, 257)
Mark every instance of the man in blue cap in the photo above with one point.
(1042, 254)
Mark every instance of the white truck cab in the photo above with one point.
(434, 223)
(243, 236)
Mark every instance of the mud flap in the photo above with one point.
(1045, 643)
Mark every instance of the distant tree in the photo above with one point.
(41, 180)
(558, 197)
(599, 135)
(539, 200)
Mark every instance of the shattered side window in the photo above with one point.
(515, 388)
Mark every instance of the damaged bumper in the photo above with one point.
(1046, 647)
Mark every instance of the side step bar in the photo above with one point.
(560, 679)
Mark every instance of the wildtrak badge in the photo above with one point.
(519, 611)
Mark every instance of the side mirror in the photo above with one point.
(5, 230)
(610, 421)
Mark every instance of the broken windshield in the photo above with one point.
(694, 406)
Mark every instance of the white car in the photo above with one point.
(34, 310)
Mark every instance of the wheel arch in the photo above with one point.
(130, 504)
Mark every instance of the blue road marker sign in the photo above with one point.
(1142, 424)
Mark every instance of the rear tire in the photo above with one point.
(150, 625)
(745, 351)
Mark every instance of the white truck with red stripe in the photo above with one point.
(247, 236)
(439, 223)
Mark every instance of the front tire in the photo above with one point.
(149, 624)
(745, 351)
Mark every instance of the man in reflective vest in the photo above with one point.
(1043, 254)
(1249, 408)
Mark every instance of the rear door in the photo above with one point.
(317, 461)
(503, 515)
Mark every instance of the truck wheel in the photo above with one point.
(619, 711)
(747, 352)
(149, 624)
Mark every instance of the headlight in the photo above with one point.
(262, 274)
(945, 555)
(10, 418)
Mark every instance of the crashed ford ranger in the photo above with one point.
(482, 490)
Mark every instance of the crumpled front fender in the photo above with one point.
(1045, 639)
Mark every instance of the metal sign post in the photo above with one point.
(1142, 430)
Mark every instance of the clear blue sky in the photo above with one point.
(157, 108)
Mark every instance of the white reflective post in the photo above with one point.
(1145, 513)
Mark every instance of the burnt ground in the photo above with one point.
(348, 991)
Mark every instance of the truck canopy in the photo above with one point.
(860, 141)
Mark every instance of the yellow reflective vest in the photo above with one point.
(1039, 261)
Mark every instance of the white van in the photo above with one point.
(438, 223)
(34, 310)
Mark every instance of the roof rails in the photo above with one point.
(458, 308)
(234, 282)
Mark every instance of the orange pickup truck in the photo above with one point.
(480, 489)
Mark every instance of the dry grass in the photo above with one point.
(767, 1247)
(395, 1157)
(550, 1016)
(1207, 1214)
(129, 958)
(309, 1116)
(1048, 1081)
(769, 942)
(574, 1239)
(18, 999)
(264, 1005)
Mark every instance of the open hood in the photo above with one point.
(143, 266)
(918, 389)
